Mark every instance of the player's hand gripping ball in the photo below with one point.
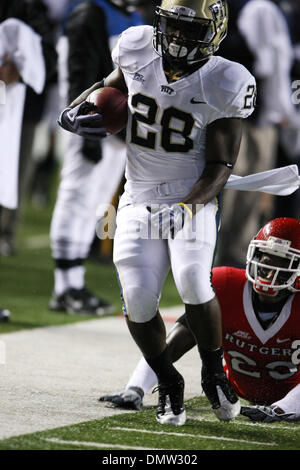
(111, 103)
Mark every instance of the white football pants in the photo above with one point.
(143, 263)
(83, 188)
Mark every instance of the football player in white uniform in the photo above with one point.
(183, 134)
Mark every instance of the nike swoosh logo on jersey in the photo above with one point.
(194, 101)
(282, 340)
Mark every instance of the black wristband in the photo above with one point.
(221, 162)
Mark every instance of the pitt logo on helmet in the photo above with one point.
(218, 10)
(189, 31)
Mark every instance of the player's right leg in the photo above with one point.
(143, 379)
(142, 265)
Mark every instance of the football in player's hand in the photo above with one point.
(112, 104)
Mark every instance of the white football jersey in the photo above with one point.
(167, 121)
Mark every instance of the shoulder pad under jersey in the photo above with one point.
(134, 48)
(230, 89)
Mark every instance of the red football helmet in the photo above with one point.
(279, 238)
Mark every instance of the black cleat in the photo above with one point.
(224, 402)
(170, 403)
(130, 399)
(81, 302)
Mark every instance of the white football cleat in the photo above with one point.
(4, 314)
(224, 402)
(170, 403)
(227, 411)
(170, 418)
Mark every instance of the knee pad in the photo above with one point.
(140, 306)
(195, 284)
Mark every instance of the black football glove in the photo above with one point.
(78, 121)
(263, 414)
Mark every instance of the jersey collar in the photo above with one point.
(264, 335)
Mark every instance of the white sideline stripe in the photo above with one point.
(95, 444)
(218, 438)
(239, 423)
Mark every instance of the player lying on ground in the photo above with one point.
(261, 329)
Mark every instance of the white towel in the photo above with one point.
(24, 47)
(279, 181)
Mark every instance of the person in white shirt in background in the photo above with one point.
(27, 59)
(18, 53)
(264, 30)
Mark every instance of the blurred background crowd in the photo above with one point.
(263, 35)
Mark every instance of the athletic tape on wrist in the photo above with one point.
(182, 204)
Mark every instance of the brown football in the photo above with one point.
(112, 104)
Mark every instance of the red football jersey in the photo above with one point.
(259, 362)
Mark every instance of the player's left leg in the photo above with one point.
(191, 261)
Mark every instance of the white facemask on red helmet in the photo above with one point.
(279, 238)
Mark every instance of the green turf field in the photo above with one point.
(139, 431)
(26, 281)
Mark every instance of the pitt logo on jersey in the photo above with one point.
(167, 89)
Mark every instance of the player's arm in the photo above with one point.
(76, 118)
(114, 80)
(223, 139)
